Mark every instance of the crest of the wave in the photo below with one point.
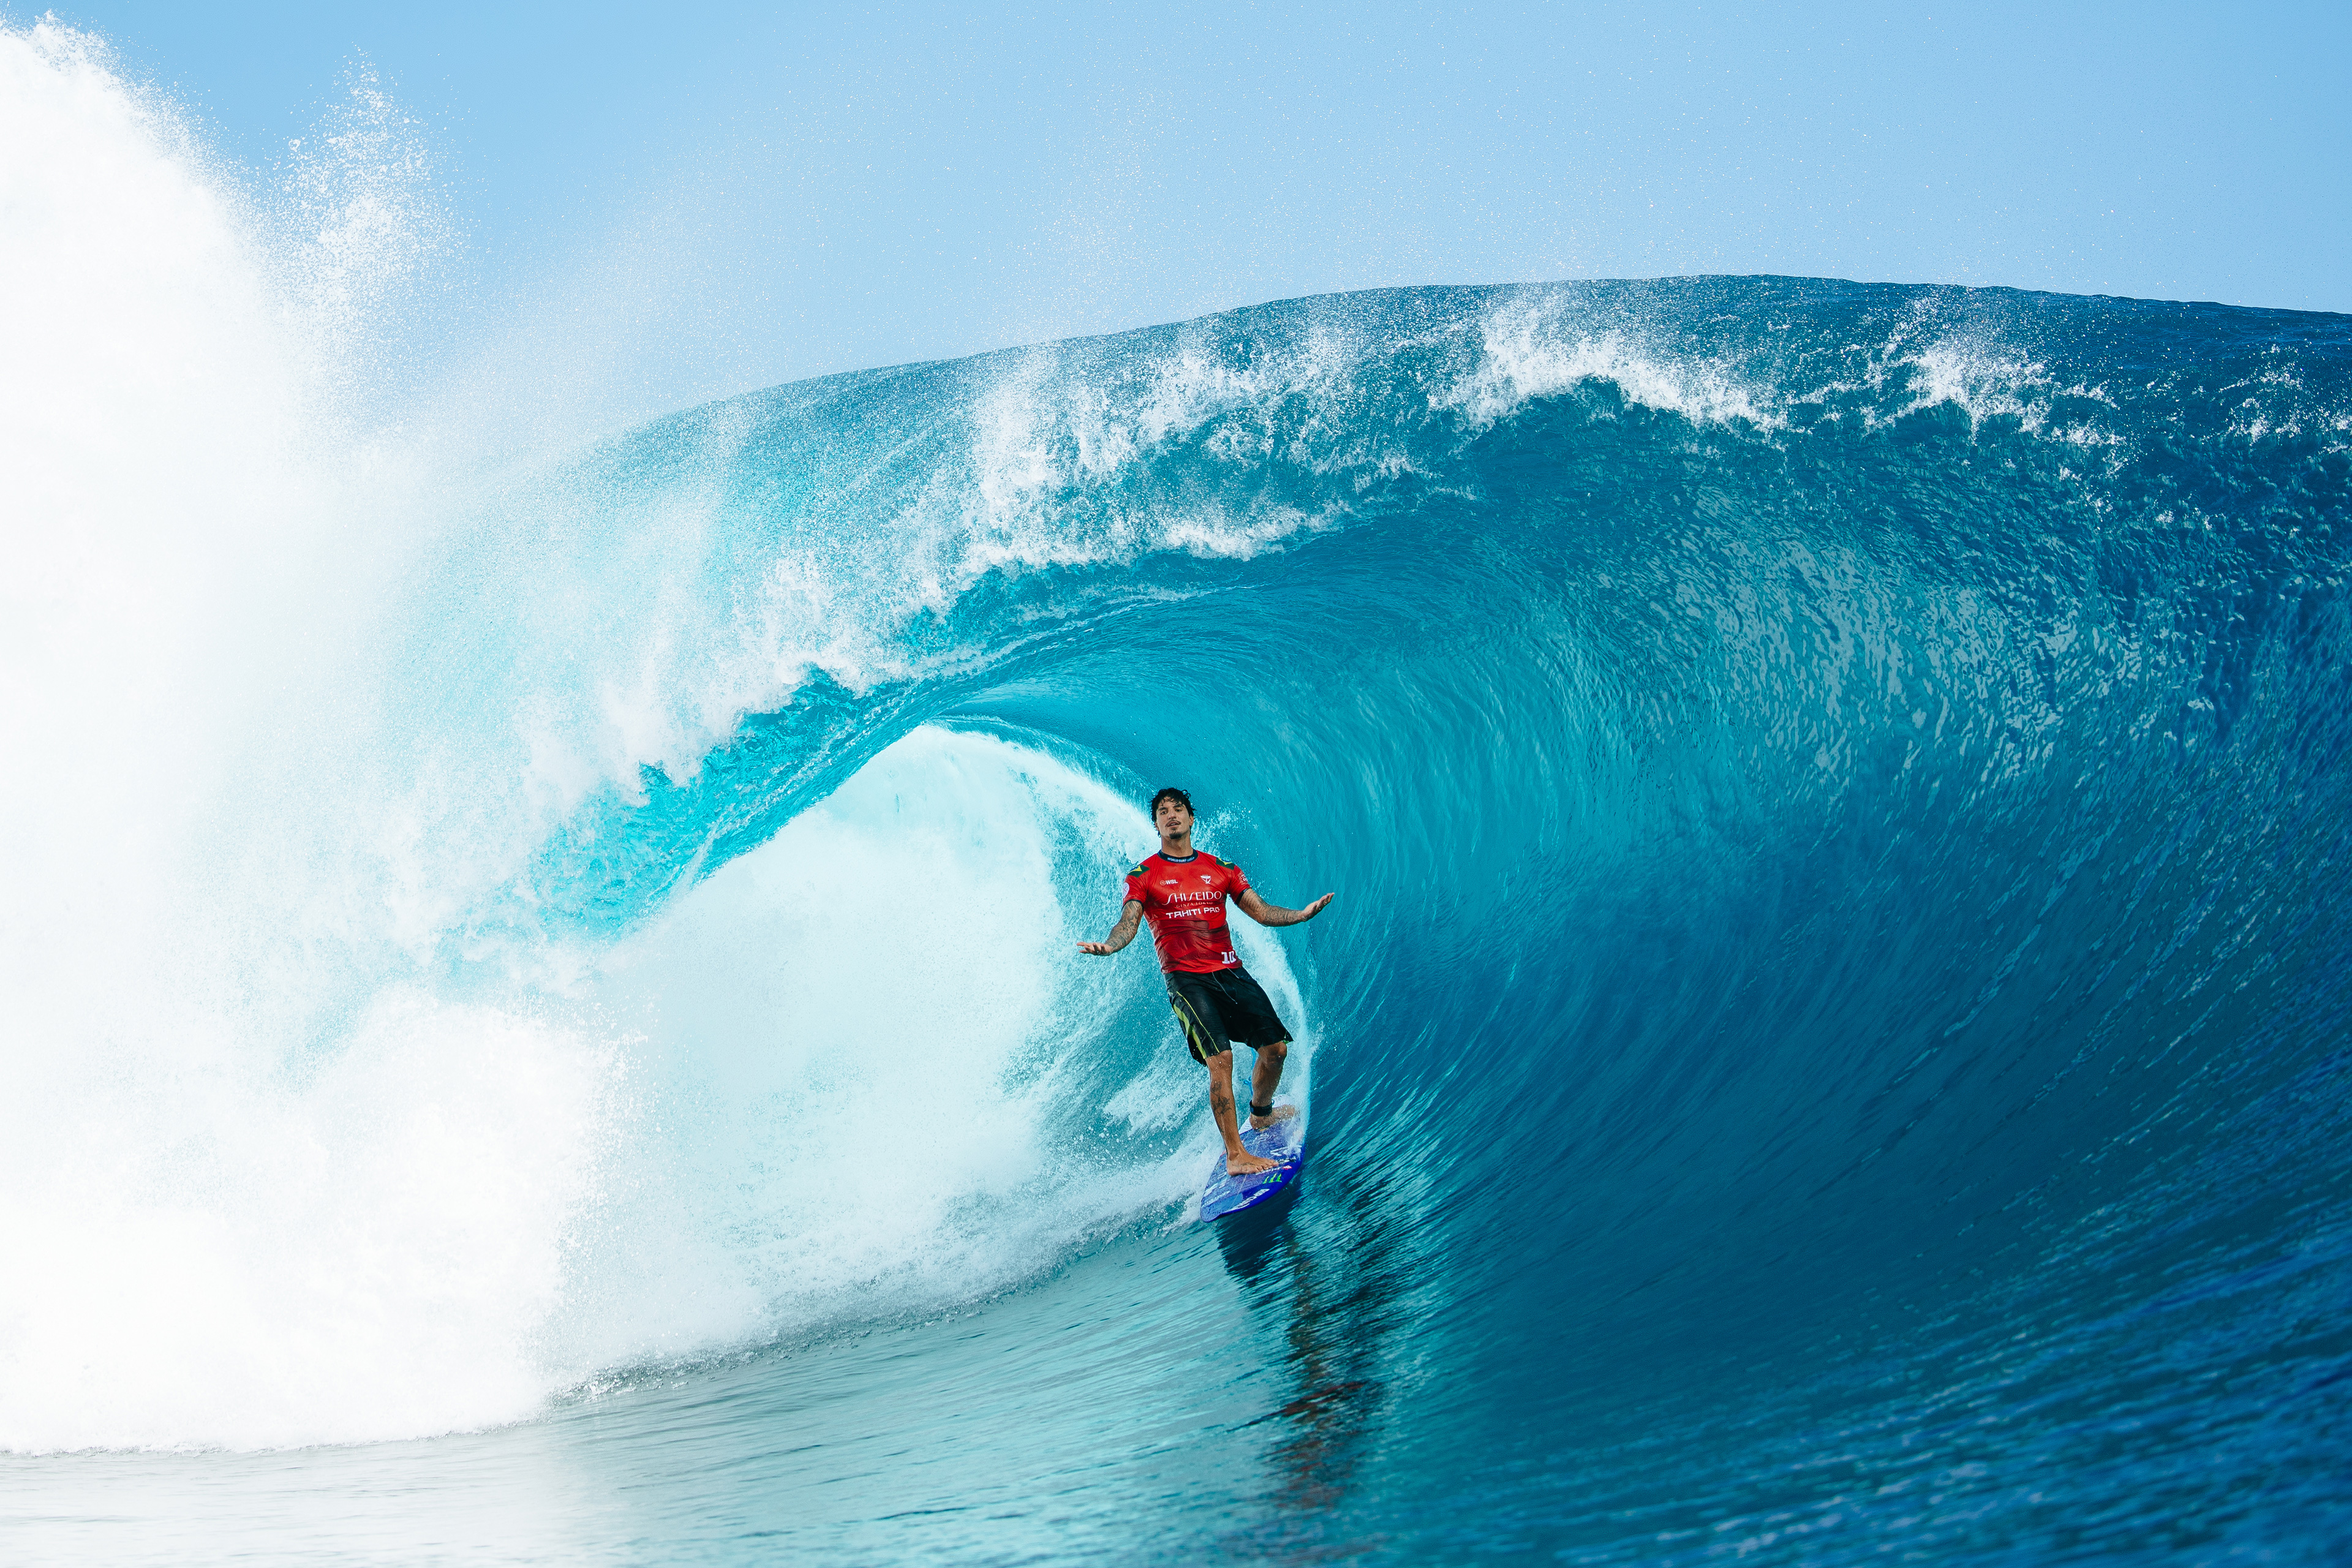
(318, 1129)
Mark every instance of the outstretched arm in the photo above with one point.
(1268, 914)
(1120, 934)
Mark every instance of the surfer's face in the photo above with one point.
(1172, 818)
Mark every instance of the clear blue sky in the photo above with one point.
(730, 196)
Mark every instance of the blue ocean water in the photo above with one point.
(1830, 1043)
(1831, 1038)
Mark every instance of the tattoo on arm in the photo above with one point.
(1124, 932)
(1266, 914)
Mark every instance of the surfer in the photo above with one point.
(1216, 1000)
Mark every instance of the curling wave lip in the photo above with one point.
(1829, 1048)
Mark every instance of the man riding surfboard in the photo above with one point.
(1216, 1001)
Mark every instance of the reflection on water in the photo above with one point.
(1331, 1266)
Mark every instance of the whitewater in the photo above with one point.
(540, 1017)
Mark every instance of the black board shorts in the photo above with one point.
(1221, 1007)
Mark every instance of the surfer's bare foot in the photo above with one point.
(1247, 1164)
(1279, 1113)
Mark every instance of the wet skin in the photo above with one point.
(1173, 818)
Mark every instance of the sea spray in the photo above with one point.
(1828, 1040)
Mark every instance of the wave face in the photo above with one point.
(1831, 1039)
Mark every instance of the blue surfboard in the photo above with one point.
(1285, 1141)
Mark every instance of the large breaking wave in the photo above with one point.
(1832, 1034)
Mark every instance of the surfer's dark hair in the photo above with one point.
(1172, 792)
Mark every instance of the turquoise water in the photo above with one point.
(544, 1022)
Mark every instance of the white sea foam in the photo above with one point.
(1538, 345)
(1983, 380)
(239, 1252)
(1054, 428)
(294, 1148)
(875, 1039)
(255, 1184)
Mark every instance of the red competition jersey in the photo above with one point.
(1186, 903)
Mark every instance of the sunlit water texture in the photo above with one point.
(541, 1019)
